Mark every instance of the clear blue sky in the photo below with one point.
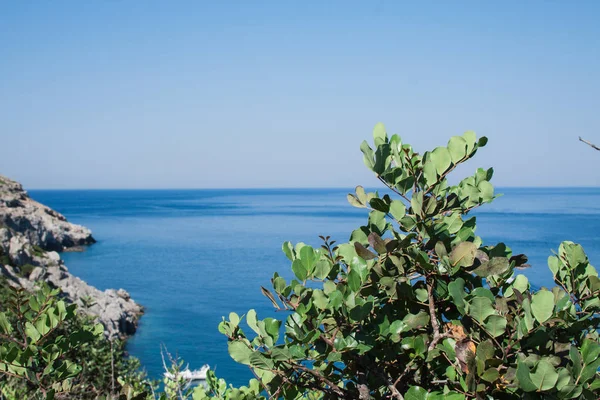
(176, 94)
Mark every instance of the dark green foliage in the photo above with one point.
(32, 352)
(66, 355)
(25, 270)
(38, 251)
(4, 260)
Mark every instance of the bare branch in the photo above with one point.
(593, 146)
(437, 336)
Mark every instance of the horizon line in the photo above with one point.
(283, 188)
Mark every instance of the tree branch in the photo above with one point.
(593, 146)
(437, 335)
(332, 386)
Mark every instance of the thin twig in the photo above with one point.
(332, 386)
(593, 146)
(112, 368)
(434, 322)
(392, 188)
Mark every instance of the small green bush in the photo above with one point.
(38, 251)
(67, 355)
(25, 270)
(4, 260)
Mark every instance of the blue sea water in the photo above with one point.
(192, 256)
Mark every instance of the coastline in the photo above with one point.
(31, 238)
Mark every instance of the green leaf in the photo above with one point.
(379, 134)
(354, 280)
(288, 250)
(576, 359)
(544, 376)
(416, 321)
(354, 201)
(471, 139)
(430, 172)
(234, 319)
(486, 191)
(240, 352)
(309, 258)
(520, 283)
(416, 203)
(382, 159)
(524, 378)
(259, 360)
(279, 284)
(378, 204)
(251, 321)
(590, 350)
(299, 269)
(457, 292)
(32, 332)
(490, 375)
(485, 350)
(397, 209)
(542, 305)
(368, 155)
(322, 269)
(335, 299)
(496, 325)
(589, 371)
(495, 266)
(4, 324)
(416, 393)
(360, 312)
(442, 159)
(319, 299)
(463, 254)
(457, 146)
(480, 308)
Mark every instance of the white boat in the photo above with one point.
(190, 375)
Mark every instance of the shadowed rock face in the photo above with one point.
(31, 234)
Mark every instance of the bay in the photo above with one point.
(192, 256)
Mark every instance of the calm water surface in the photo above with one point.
(192, 256)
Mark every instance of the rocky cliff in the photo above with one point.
(31, 235)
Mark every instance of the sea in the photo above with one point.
(191, 257)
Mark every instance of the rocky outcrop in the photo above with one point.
(41, 225)
(30, 236)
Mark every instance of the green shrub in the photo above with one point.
(4, 260)
(38, 251)
(33, 361)
(415, 306)
(75, 359)
(25, 270)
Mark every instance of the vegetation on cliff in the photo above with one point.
(414, 306)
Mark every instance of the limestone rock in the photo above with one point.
(31, 233)
(43, 226)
